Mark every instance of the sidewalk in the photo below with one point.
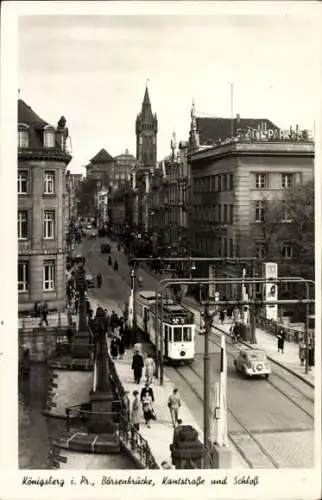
(160, 435)
(289, 360)
(53, 320)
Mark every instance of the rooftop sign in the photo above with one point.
(264, 134)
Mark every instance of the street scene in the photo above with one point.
(166, 244)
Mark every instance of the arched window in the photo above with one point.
(49, 137)
(23, 136)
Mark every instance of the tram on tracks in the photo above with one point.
(176, 321)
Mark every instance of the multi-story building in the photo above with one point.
(146, 129)
(101, 168)
(123, 168)
(235, 184)
(71, 197)
(42, 159)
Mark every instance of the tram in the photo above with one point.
(178, 328)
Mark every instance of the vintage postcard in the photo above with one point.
(161, 251)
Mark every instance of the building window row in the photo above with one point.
(23, 138)
(262, 181)
(23, 183)
(226, 247)
(48, 225)
(48, 276)
(261, 250)
(213, 183)
(220, 214)
(261, 209)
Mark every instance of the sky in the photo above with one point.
(93, 70)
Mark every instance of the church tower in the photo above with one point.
(146, 129)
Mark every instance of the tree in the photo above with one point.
(87, 192)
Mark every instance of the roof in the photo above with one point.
(28, 116)
(212, 129)
(102, 156)
(146, 99)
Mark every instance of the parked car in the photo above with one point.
(252, 362)
(105, 248)
(90, 281)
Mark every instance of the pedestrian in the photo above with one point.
(149, 369)
(126, 337)
(311, 353)
(99, 280)
(120, 345)
(114, 348)
(135, 418)
(70, 335)
(302, 351)
(137, 366)
(147, 406)
(116, 266)
(113, 321)
(126, 410)
(222, 316)
(35, 311)
(280, 341)
(43, 314)
(174, 403)
(109, 261)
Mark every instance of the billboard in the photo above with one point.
(270, 271)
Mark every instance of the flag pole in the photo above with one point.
(231, 109)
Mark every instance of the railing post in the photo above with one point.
(67, 410)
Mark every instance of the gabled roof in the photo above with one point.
(212, 129)
(28, 116)
(102, 156)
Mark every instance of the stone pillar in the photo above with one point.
(221, 457)
(81, 342)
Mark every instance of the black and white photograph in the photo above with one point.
(166, 197)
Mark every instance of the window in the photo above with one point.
(225, 214)
(287, 250)
(22, 224)
(49, 183)
(287, 180)
(225, 182)
(230, 182)
(260, 181)
(49, 139)
(49, 224)
(23, 272)
(22, 182)
(49, 275)
(219, 183)
(23, 139)
(260, 250)
(219, 214)
(259, 212)
(177, 334)
(231, 214)
(285, 212)
(187, 334)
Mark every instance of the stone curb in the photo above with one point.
(272, 360)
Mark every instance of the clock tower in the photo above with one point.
(146, 129)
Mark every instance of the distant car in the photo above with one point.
(105, 248)
(89, 226)
(90, 281)
(252, 362)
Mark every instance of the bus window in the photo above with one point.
(186, 334)
(177, 334)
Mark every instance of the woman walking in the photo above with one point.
(114, 348)
(147, 398)
(149, 369)
(280, 341)
(302, 351)
(120, 345)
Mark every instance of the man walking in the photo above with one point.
(174, 403)
(137, 366)
(43, 314)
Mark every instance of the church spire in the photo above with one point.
(146, 99)
(194, 136)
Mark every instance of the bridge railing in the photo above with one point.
(77, 416)
(272, 327)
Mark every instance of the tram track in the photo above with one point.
(255, 442)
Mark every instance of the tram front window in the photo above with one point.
(186, 334)
(177, 334)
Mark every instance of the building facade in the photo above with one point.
(71, 197)
(42, 159)
(236, 186)
(123, 168)
(101, 168)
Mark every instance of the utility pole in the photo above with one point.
(206, 368)
(252, 307)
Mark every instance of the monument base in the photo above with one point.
(221, 457)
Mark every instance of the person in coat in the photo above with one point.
(280, 341)
(147, 390)
(149, 369)
(135, 418)
(302, 351)
(137, 366)
(147, 399)
(114, 348)
(120, 345)
(114, 321)
(311, 353)
(43, 314)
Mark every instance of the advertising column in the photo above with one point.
(270, 271)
